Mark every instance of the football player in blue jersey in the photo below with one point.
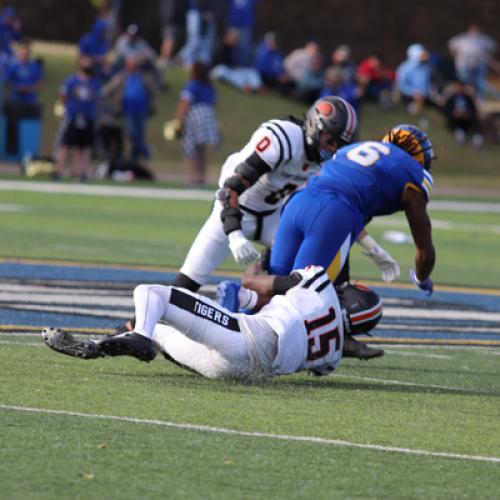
(363, 180)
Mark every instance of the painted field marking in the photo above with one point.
(419, 354)
(11, 207)
(23, 344)
(415, 384)
(198, 194)
(234, 432)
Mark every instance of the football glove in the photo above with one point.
(427, 286)
(385, 262)
(243, 251)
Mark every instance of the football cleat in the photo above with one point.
(355, 349)
(63, 342)
(226, 295)
(128, 344)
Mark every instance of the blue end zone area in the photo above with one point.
(80, 297)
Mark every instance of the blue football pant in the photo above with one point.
(316, 228)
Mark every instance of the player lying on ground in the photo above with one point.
(300, 326)
(254, 183)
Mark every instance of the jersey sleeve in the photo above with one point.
(189, 91)
(427, 185)
(273, 143)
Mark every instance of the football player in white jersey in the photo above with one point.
(300, 326)
(254, 183)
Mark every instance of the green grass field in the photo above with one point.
(435, 400)
(159, 233)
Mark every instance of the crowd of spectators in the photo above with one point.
(110, 97)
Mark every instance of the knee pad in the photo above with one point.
(362, 306)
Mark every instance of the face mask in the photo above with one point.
(88, 70)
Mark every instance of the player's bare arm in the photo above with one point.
(420, 226)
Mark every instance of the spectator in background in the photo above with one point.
(201, 30)
(461, 114)
(269, 64)
(131, 44)
(241, 17)
(134, 96)
(24, 81)
(341, 59)
(307, 90)
(473, 52)
(196, 118)
(376, 81)
(227, 70)
(110, 10)
(79, 94)
(413, 80)
(10, 30)
(173, 23)
(95, 46)
(336, 85)
(299, 61)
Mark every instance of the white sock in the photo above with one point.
(151, 302)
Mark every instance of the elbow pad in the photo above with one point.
(252, 168)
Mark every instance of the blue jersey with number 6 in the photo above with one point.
(320, 222)
(373, 176)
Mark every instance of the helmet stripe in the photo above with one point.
(351, 122)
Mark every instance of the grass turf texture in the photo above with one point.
(239, 114)
(55, 456)
(159, 233)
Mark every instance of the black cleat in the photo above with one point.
(65, 343)
(128, 344)
(355, 349)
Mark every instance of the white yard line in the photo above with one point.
(196, 194)
(418, 313)
(410, 384)
(419, 354)
(122, 314)
(126, 191)
(66, 298)
(28, 344)
(234, 432)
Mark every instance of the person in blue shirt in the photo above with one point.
(413, 79)
(135, 94)
(10, 30)
(197, 119)
(363, 180)
(95, 45)
(79, 94)
(241, 16)
(269, 63)
(25, 76)
(24, 80)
